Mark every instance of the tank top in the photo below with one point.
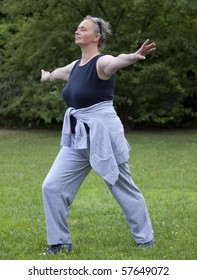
(84, 88)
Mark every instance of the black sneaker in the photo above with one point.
(147, 245)
(53, 249)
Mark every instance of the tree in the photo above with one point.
(160, 91)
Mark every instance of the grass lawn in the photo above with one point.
(163, 165)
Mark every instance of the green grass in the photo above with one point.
(163, 165)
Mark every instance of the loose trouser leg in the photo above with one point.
(133, 205)
(59, 189)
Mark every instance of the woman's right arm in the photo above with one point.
(61, 73)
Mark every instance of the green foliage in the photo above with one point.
(160, 91)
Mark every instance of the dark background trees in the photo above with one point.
(158, 92)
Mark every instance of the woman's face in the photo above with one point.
(85, 33)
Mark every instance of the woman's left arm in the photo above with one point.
(108, 64)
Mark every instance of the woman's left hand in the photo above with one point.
(145, 49)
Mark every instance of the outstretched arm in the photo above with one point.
(108, 65)
(61, 73)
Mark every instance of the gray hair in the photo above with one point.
(102, 27)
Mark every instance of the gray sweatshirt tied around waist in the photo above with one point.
(108, 146)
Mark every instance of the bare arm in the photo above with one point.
(61, 73)
(108, 64)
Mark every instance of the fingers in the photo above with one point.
(42, 74)
(142, 57)
(147, 44)
(152, 45)
(148, 48)
(151, 50)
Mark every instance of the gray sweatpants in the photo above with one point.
(62, 183)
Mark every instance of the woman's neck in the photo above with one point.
(88, 54)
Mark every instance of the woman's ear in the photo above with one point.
(97, 37)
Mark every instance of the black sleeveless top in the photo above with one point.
(84, 88)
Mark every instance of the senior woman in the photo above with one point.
(92, 137)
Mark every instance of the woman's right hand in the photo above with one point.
(44, 76)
